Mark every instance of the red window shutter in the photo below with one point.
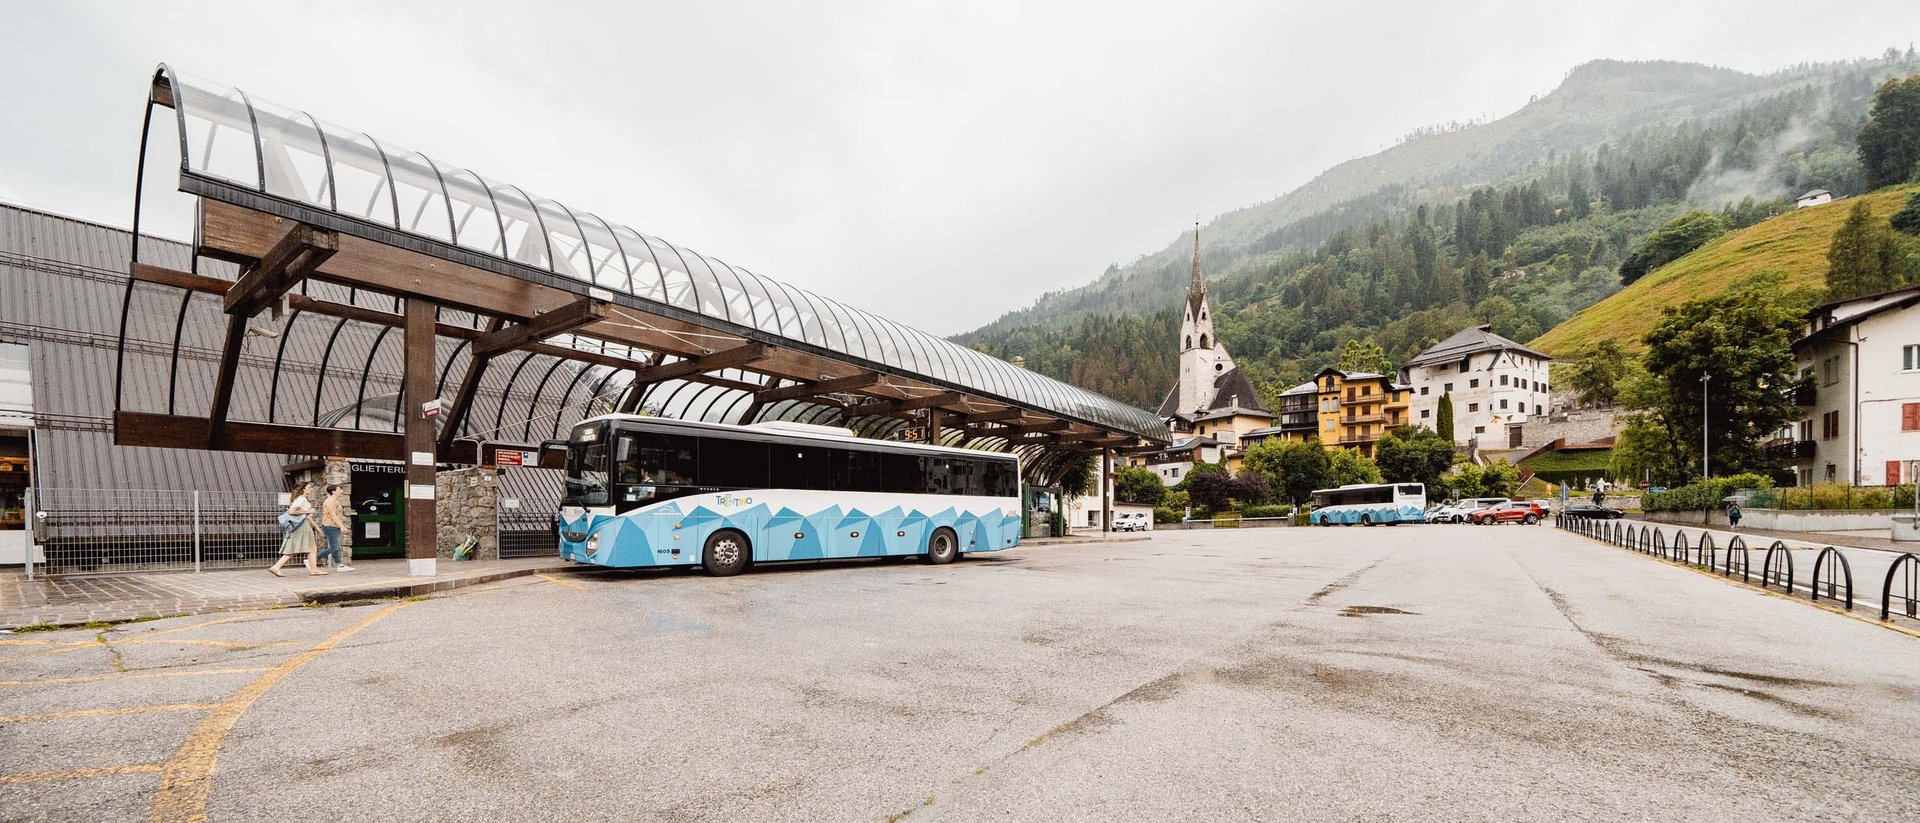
(1893, 472)
(1910, 417)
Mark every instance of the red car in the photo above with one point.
(1517, 511)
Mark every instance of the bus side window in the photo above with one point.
(798, 467)
(903, 474)
(733, 464)
(855, 470)
(940, 471)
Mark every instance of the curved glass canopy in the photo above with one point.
(239, 141)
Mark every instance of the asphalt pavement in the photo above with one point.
(1409, 673)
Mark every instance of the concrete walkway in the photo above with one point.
(72, 601)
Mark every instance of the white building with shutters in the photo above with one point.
(1496, 385)
(1860, 359)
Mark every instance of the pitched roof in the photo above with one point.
(1469, 342)
(1197, 288)
(1232, 388)
(1864, 306)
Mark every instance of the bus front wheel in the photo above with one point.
(726, 553)
(1366, 520)
(942, 546)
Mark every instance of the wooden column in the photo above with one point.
(933, 426)
(417, 378)
(1106, 490)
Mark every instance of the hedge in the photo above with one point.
(1702, 496)
(1280, 510)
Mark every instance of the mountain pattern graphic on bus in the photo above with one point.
(1383, 513)
(670, 534)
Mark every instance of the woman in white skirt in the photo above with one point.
(299, 540)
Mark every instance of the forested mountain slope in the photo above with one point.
(1792, 246)
(1519, 222)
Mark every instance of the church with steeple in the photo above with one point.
(1213, 403)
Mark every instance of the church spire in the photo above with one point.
(1196, 290)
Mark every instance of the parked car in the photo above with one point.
(1593, 511)
(1513, 511)
(1132, 521)
(1461, 511)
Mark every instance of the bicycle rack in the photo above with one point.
(1746, 559)
(1830, 580)
(1910, 591)
(1706, 551)
(1680, 548)
(1659, 543)
(1771, 571)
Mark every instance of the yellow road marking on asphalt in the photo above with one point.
(187, 780)
(71, 774)
(34, 642)
(177, 707)
(50, 681)
(94, 643)
(218, 644)
(551, 579)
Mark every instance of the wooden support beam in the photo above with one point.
(559, 321)
(819, 387)
(169, 431)
(223, 380)
(416, 393)
(905, 404)
(1012, 413)
(1036, 428)
(298, 254)
(469, 386)
(1073, 436)
(736, 357)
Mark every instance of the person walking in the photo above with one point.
(297, 520)
(1733, 514)
(333, 520)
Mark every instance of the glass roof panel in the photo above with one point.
(421, 196)
(674, 277)
(707, 286)
(609, 264)
(291, 156)
(220, 137)
(570, 255)
(647, 281)
(526, 239)
(360, 184)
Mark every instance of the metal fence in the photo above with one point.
(102, 531)
(529, 531)
(1831, 576)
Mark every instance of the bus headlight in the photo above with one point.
(593, 544)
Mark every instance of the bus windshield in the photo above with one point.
(587, 468)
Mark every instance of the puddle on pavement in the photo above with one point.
(1363, 611)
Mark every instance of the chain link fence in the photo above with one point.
(105, 531)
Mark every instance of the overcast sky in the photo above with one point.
(936, 162)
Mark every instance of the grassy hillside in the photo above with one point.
(1794, 243)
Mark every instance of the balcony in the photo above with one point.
(1357, 419)
(1804, 395)
(1790, 450)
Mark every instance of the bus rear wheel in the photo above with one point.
(726, 553)
(1366, 520)
(942, 546)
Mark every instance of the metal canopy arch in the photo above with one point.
(545, 313)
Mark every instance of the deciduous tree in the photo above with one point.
(1346, 467)
(1890, 143)
(1134, 484)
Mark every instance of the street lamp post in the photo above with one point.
(1705, 471)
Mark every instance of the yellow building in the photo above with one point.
(1356, 409)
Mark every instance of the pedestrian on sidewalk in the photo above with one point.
(300, 532)
(333, 519)
(1733, 514)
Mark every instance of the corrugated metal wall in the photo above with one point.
(61, 283)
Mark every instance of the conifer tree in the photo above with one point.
(1863, 258)
(1443, 418)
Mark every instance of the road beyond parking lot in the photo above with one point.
(1411, 673)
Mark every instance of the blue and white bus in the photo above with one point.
(1370, 503)
(648, 491)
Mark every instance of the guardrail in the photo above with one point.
(1831, 579)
